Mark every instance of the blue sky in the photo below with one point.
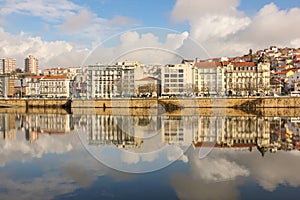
(74, 27)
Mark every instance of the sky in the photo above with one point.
(76, 32)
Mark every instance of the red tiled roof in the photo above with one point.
(243, 64)
(286, 71)
(207, 64)
(34, 76)
(55, 77)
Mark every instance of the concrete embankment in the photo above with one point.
(34, 103)
(281, 102)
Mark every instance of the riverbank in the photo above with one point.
(173, 103)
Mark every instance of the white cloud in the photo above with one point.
(55, 53)
(273, 26)
(47, 9)
(210, 19)
(130, 158)
(225, 31)
(16, 150)
(77, 21)
(273, 169)
(44, 187)
(142, 45)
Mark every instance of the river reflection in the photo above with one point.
(71, 156)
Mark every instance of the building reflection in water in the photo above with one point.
(33, 125)
(264, 133)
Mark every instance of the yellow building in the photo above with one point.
(247, 78)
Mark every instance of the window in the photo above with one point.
(180, 71)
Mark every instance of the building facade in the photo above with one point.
(55, 86)
(247, 78)
(33, 84)
(103, 81)
(31, 65)
(7, 65)
(209, 79)
(177, 80)
(7, 87)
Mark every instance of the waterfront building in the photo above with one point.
(31, 65)
(7, 87)
(209, 78)
(103, 81)
(55, 86)
(131, 71)
(7, 65)
(79, 85)
(148, 87)
(4, 86)
(247, 78)
(108, 81)
(177, 79)
(33, 86)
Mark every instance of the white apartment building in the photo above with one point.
(33, 86)
(103, 81)
(177, 79)
(209, 78)
(55, 86)
(108, 81)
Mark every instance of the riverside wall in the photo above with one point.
(54, 103)
(280, 102)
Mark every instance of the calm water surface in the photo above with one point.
(99, 156)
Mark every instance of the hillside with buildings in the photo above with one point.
(267, 72)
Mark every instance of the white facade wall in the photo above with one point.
(55, 86)
(177, 80)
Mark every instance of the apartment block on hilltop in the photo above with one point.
(31, 65)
